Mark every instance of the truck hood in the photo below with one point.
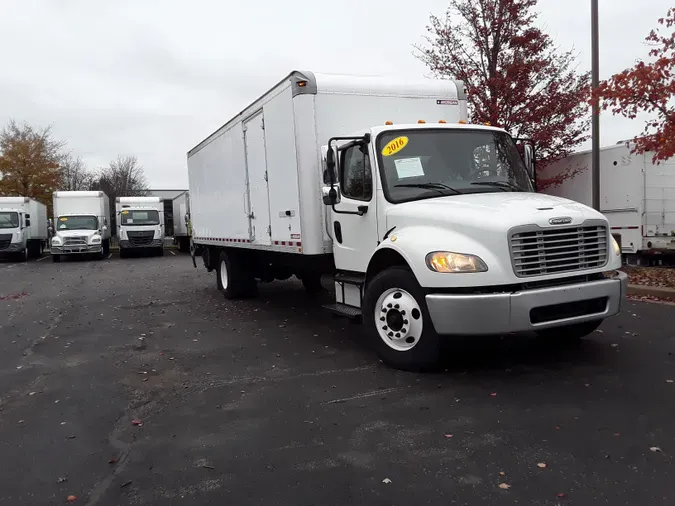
(491, 212)
(76, 233)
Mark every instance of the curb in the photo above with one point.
(653, 291)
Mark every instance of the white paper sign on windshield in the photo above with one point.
(409, 167)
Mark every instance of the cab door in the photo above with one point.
(354, 218)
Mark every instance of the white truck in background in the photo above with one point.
(140, 224)
(23, 227)
(430, 229)
(636, 195)
(181, 221)
(81, 224)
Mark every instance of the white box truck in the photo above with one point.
(636, 195)
(140, 224)
(431, 229)
(81, 224)
(181, 221)
(23, 227)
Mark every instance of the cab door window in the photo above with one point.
(356, 178)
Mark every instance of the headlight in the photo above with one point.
(96, 239)
(446, 261)
(615, 247)
(56, 241)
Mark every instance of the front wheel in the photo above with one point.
(56, 258)
(397, 321)
(570, 333)
(312, 283)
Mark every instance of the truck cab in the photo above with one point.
(436, 230)
(13, 239)
(140, 224)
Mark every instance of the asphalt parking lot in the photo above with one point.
(134, 382)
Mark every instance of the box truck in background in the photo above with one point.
(429, 225)
(23, 227)
(181, 221)
(636, 195)
(140, 224)
(81, 224)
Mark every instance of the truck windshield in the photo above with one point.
(77, 223)
(9, 219)
(138, 217)
(419, 164)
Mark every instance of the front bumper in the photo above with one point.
(156, 243)
(14, 247)
(76, 250)
(527, 310)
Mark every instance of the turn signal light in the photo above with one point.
(420, 121)
(442, 121)
(462, 122)
(388, 122)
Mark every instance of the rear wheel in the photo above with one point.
(397, 321)
(106, 247)
(312, 283)
(570, 333)
(123, 252)
(56, 258)
(160, 252)
(233, 276)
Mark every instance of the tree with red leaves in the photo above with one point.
(649, 88)
(515, 76)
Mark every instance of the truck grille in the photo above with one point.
(75, 241)
(141, 238)
(539, 251)
(5, 241)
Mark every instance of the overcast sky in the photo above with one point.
(152, 78)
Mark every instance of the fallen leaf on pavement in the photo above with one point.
(71, 498)
(386, 480)
(502, 473)
(112, 461)
(542, 465)
(493, 394)
(670, 381)
(504, 486)
(560, 495)
(137, 422)
(448, 436)
(655, 449)
(62, 480)
(615, 346)
(617, 433)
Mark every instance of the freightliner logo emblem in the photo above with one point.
(560, 221)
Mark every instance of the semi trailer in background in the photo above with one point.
(430, 226)
(23, 228)
(636, 195)
(140, 224)
(181, 221)
(81, 224)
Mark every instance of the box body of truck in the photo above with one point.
(256, 181)
(140, 224)
(181, 221)
(23, 227)
(636, 195)
(426, 222)
(81, 224)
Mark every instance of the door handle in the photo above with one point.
(362, 210)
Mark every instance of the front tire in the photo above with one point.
(312, 283)
(570, 333)
(233, 276)
(56, 258)
(397, 321)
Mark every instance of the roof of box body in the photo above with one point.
(14, 200)
(78, 194)
(357, 85)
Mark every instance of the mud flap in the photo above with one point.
(192, 253)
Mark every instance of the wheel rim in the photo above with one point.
(223, 275)
(398, 319)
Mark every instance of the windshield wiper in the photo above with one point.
(429, 186)
(499, 184)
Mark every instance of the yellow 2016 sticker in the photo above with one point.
(125, 212)
(63, 219)
(395, 146)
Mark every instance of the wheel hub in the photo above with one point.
(398, 319)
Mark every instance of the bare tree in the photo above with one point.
(124, 177)
(74, 173)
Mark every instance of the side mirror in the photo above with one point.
(27, 221)
(331, 195)
(328, 165)
(528, 158)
